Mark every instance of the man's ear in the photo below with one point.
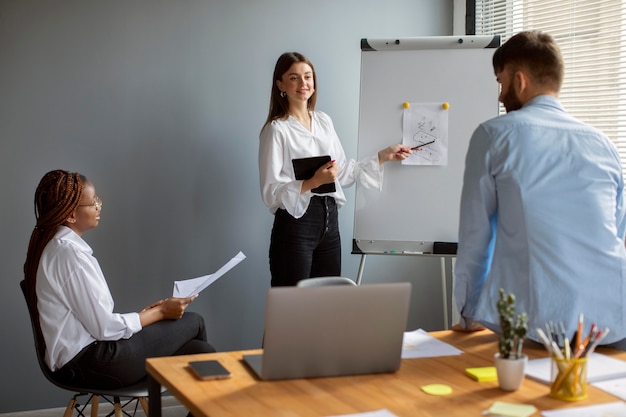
(523, 87)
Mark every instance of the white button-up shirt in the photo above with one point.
(285, 140)
(74, 301)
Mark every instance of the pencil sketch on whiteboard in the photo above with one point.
(425, 130)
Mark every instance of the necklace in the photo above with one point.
(306, 122)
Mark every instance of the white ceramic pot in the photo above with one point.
(510, 372)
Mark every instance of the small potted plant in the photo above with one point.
(510, 362)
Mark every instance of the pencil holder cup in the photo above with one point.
(569, 379)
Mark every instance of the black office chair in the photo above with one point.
(132, 395)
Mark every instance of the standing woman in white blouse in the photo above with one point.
(305, 238)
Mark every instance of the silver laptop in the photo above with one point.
(332, 331)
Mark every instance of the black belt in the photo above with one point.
(324, 199)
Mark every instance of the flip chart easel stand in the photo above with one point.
(444, 280)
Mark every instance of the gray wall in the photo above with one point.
(160, 103)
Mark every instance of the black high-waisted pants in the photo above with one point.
(306, 247)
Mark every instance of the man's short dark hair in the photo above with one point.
(534, 52)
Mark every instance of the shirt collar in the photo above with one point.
(65, 234)
(544, 100)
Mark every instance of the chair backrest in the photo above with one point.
(322, 281)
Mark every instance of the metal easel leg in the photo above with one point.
(455, 313)
(444, 289)
(360, 273)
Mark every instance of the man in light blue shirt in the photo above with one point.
(542, 210)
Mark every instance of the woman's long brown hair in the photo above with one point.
(279, 106)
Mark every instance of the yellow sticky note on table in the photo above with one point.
(486, 373)
(501, 408)
(436, 389)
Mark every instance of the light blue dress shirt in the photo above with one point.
(543, 217)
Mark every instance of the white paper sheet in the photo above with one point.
(599, 368)
(189, 287)
(616, 387)
(426, 124)
(616, 409)
(419, 344)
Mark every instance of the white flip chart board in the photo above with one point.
(419, 204)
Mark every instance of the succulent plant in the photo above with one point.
(514, 328)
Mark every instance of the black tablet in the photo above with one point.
(305, 168)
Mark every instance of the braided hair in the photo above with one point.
(56, 197)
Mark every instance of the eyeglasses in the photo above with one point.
(97, 203)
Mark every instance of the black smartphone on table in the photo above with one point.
(210, 369)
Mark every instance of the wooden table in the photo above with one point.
(245, 395)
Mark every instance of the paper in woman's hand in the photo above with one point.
(189, 287)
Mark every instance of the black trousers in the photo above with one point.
(306, 247)
(114, 364)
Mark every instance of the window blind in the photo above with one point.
(592, 38)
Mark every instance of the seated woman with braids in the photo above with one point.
(87, 344)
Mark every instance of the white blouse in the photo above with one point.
(74, 301)
(284, 140)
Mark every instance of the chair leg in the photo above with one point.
(95, 401)
(117, 407)
(81, 409)
(69, 410)
(144, 405)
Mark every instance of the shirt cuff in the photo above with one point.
(133, 323)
